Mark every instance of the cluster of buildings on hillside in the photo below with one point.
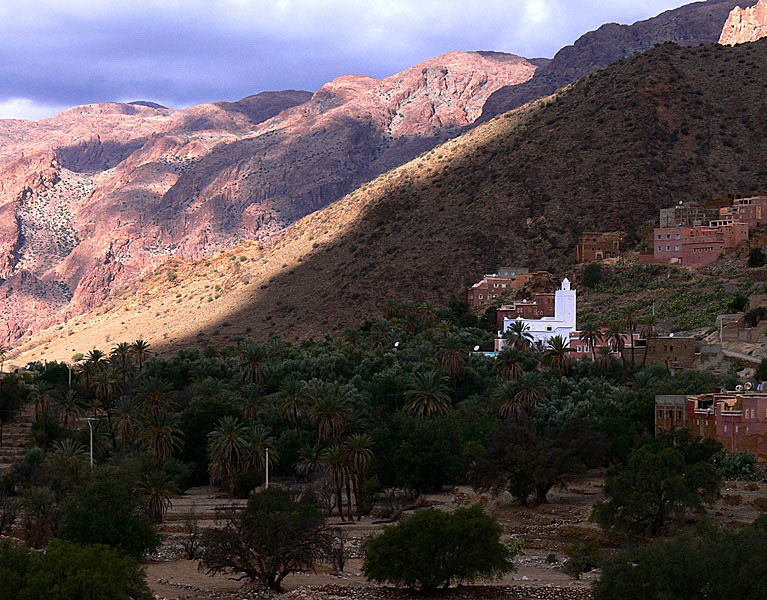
(688, 234)
(737, 418)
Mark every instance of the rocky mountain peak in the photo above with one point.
(745, 25)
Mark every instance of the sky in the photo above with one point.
(59, 53)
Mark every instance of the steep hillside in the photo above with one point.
(101, 195)
(672, 124)
(745, 24)
(692, 24)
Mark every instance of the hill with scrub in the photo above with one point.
(676, 123)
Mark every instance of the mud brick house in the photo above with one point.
(751, 211)
(694, 246)
(687, 214)
(737, 419)
(670, 412)
(593, 246)
(671, 352)
(494, 285)
(750, 327)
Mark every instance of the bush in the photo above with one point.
(105, 511)
(736, 465)
(69, 572)
(682, 567)
(583, 556)
(270, 539)
(592, 274)
(434, 548)
(761, 370)
(757, 258)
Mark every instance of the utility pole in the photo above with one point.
(90, 428)
(266, 487)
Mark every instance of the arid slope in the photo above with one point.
(672, 124)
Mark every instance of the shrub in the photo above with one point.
(105, 511)
(69, 572)
(682, 567)
(592, 274)
(434, 548)
(583, 556)
(757, 258)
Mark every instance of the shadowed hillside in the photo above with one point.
(692, 24)
(672, 124)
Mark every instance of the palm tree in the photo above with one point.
(591, 334)
(649, 333)
(141, 351)
(71, 408)
(428, 312)
(519, 397)
(360, 456)
(452, 359)
(252, 356)
(153, 395)
(157, 488)
(126, 423)
(616, 338)
(518, 334)
(252, 402)
(604, 356)
(310, 461)
(105, 385)
(556, 353)
(162, 436)
(428, 394)
(227, 448)
(629, 320)
(508, 365)
(122, 357)
(330, 409)
(292, 402)
(257, 440)
(335, 460)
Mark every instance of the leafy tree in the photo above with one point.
(106, 511)
(13, 394)
(592, 274)
(713, 562)
(583, 556)
(757, 258)
(270, 539)
(433, 548)
(658, 481)
(761, 370)
(67, 571)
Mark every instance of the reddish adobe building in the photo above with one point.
(542, 305)
(670, 412)
(494, 285)
(593, 246)
(751, 211)
(581, 349)
(695, 246)
(737, 419)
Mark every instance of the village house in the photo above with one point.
(670, 412)
(749, 327)
(694, 246)
(494, 285)
(593, 246)
(737, 419)
(687, 214)
(751, 211)
(544, 318)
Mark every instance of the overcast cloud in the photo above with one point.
(59, 53)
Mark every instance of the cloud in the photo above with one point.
(24, 108)
(184, 52)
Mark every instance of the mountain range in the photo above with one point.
(123, 211)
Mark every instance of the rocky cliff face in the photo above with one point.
(745, 25)
(96, 197)
(689, 25)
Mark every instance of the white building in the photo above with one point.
(562, 323)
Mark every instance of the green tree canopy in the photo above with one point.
(435, 548)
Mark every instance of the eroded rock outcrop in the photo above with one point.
(745, 25)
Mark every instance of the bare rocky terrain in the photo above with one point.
(100, 195)
(746, 24)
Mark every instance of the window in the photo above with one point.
(668, 236)
(660, 237)
(725, 428)
(668, 248)
(480, 296)
(660, 248)
(676, 248)
(679, 415)
(677, 236)
(660, 414)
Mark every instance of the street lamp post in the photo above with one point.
(90, 428)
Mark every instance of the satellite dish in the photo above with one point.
(748, 386)
(396, 344)
(670, 335)
(476, 348)
(738, 388)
